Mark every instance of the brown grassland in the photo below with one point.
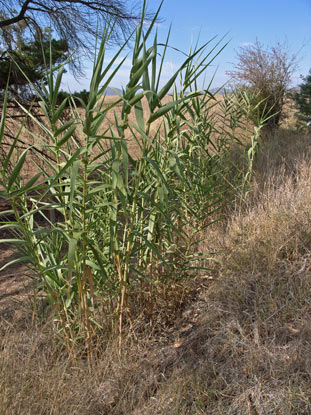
(236, 340)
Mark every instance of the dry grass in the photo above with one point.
(241, 346)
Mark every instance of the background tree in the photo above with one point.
(23, 60)
(268, 72)
(77, 22)
(302, 99)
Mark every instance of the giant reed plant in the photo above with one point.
(96, 225)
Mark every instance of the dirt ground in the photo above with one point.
(15, 285)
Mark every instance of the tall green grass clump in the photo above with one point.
(97, 226)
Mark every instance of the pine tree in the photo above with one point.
(23, 61)
(302, 100)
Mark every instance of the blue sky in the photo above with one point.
(243, 21)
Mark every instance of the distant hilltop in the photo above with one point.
(220, 90)
(109, 91)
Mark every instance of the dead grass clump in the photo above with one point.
(280, 154)
(276, 227)
(36, 377)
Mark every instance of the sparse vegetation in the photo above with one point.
(175, 281)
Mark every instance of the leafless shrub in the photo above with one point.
(268, 70)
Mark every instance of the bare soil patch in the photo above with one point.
(15, 284)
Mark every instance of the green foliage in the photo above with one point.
(77, 96)
(302, 99)
(241, 108)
